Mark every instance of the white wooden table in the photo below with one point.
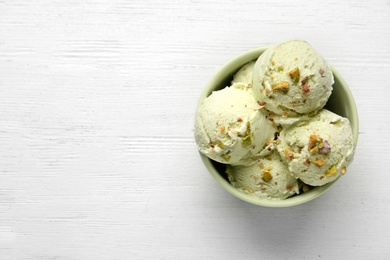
(97, 155)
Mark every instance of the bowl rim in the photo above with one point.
(231, 67)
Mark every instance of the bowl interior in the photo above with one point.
(340, 102)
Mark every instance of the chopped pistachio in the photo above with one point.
(267, 176)
(262, 165)
(225, 157)
(288, 154)
(305, 187)
(305, 88)
(307, 162)
(220, 144)
(343, 170)
(247, 189)
(289, 186)
(324, 147)
(318, 162)
(331, 171)
(246, 141)
(282, 87)
(280, 68)
(312, 141)
(294, 75)
(314, 150)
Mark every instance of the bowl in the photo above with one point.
(340, 102)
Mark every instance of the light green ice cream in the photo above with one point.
(229, 127)
(268, 178)
(244, 74)
(319, 150)
(292, 79)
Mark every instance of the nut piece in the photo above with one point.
(324, 148)
(307, 162)
(294, 75)
(282, 87)
(312, 141)
(267, 176)
(305, 187)
(343, 170)
(318, 162)
(225, 157)
(305, 88)
(331, 171)
(288, 154)
(289, 186)
(220, 144)
(314, 150)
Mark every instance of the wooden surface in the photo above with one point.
(97, 155)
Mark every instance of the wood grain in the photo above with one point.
(97, 156)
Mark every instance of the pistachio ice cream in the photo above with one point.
(229, 127)
(270, 127)
(244, 74)
(291, 78)
(319, 150)
(268, 178)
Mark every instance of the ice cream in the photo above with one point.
(244, 74)
(268, 178)
(270, 127)
(292, 79)
(229, 127)
(319, 150)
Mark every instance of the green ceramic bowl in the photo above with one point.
(340, 102)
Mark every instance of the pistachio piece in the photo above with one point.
(267, 176)
(225, 157)
(305, 187)
(314, 150)
(343, 170)
(261, 104)
(289, 186)
(318, 162)
(220, 144)
(305, 88)
(324, 148)
(261, 165)
(312, 141)
(288, 154)
(280, 68)
(331, 171)
(247, 189)
(282, 87)
(307, 162)
(294, 75)
(246, 141)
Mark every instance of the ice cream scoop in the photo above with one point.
(318, 150)
(291, 78)
(244, 74)
(268, 178)
(229, 127)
